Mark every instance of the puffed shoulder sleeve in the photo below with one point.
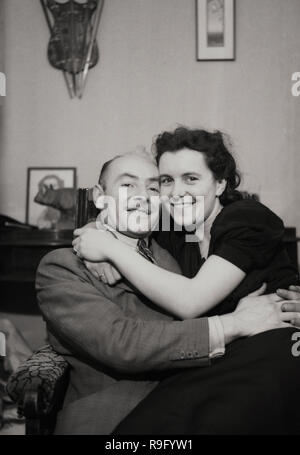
(247, 234)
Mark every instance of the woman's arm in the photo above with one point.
(184, 297)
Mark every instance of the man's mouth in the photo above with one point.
(146, 211)
(182, 204)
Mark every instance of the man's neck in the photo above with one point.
(124, 237)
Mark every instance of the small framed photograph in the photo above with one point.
(215, 29)
(51, 193)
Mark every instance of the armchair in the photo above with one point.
(38, 386)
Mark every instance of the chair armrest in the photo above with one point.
(37, 383)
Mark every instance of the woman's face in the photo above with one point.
(188, 187)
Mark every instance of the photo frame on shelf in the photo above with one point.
(42, 208)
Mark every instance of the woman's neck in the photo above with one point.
(204, 230)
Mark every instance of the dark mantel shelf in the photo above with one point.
(21, 251)
(35, 237)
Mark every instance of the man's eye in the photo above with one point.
(156, 190)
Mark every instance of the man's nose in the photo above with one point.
(142, 194)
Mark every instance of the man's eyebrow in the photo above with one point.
(126, 174)
(153, 179)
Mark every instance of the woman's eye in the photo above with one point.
(127, 185)
(165, 181)
(191, 179)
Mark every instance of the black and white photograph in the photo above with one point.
(149, 221)
(51, 197)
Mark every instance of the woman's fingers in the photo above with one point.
(92, 269)
(258, 291)
(78, 232)
(296, 322)
(109, 274)
(295, 288)
(116, 274)
(287, 317)
(291, 306)
(76, 242)
(289, 311)
(103, 271)
(288, 294)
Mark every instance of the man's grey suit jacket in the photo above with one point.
(118, 343)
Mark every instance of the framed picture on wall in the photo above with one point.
(215, 29)
(50, 199)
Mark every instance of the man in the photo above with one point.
(119, 344)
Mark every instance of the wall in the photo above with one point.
(148, 79)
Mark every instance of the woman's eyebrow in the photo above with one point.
(186, 174)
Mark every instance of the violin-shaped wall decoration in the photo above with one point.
(72, 48)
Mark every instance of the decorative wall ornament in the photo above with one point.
(72, 47)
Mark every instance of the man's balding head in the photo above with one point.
(127, 184)
(139, 153)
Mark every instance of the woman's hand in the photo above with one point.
(92, 245)
(104, 272)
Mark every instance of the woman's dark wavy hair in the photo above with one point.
(218, 158)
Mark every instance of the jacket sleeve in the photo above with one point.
(95, 327)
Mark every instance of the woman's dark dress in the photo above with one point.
(255, 387)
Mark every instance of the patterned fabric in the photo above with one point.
(144, 251)
(42, 370)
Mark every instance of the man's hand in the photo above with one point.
(104, 272)
(293, 306)
(254, 314)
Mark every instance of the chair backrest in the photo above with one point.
(85, 207)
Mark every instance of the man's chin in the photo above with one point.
(187, 223)
(140, 234)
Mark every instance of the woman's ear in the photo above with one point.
(98, 198)
(221, 186)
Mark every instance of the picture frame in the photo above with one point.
(215, 30)
(55, 177)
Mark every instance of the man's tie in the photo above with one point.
(144, 251)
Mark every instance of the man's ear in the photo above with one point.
(98, 198)
(221, 186)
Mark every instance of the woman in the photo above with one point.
(240, 247)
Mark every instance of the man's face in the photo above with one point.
(188, 183)
(132, 196)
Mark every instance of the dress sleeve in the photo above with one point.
(247, 234)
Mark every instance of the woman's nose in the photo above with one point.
(178, 190)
